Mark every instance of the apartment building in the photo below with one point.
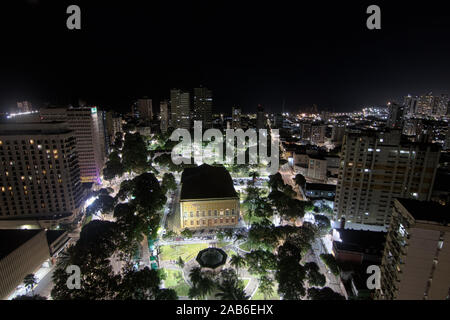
(416, 259)
(375, 168)
(87, 126)
(39, 175)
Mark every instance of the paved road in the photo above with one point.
(332, 281)
(287, 173)
(45, 286)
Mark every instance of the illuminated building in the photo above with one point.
(181, 109)
(375, 168)
(87, 125)
(203, 106)
(416, 259)
(145, 108)
(40, 183)
(24, 106)
(236, 117)
(208, 198)
(165, 116)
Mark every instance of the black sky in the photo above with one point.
(247, 52)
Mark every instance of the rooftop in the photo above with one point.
(361, 241)
(427, 210)
(10, 240)
(205, 182)
(211, 258)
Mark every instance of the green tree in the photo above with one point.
(266, 286)
(290, 274)
(230, 287)
(313, 275)
(186, 233)
(331, 263)
(323, 224)
(237, 261)
(168, 182)
(113, 167)
(300, 181)
(260, 262)
(195, 275)
(134, 154)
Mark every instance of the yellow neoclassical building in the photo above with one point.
(208, 198)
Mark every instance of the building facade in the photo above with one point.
(203, 106)
(236, 117)
(40, 175)
(165, 116)
(208, 198)
(416, 259)
(25, 252)
(87, 126)
(181, 109)
(375, 168)
(145, 108)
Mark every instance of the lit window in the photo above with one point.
(31, 141)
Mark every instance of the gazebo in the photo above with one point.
(211, 258)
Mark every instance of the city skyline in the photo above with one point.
(249, 54)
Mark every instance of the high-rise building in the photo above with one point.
(337, 134)
(87, 126)
(113, 125)
(261, 120)
(165, 116)
(181, 108)
(395, 118)
(416, 259)
(40, 176)
(203, 106)
(410, 104)
(318, 134)
(236, 117)
(377, 167)
(24, 106)
(306, 131)
(145, 109)
(278, 120)
(447, 139)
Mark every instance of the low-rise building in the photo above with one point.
(23, 252)
(208, 198)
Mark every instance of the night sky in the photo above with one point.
(247, 52)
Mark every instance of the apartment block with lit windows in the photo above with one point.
(39, 175)
(88, 128)
(416, 259)
(375, 168)
(208, 198)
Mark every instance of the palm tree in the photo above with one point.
(194, 293)
(205, 286)
(237, 261)
(180, 262)
(195, 275)
(230, 290)
(30, 282)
